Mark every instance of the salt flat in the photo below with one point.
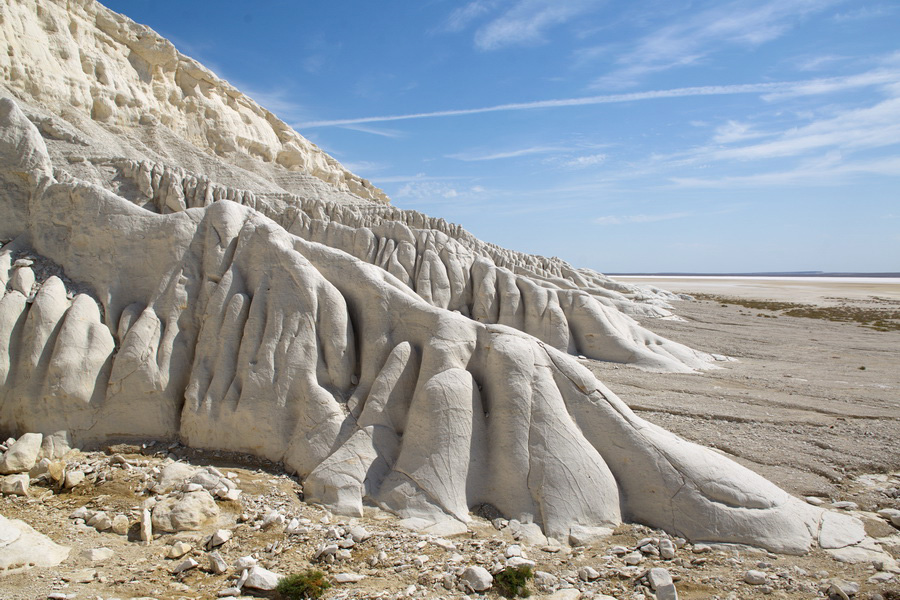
(810, 290)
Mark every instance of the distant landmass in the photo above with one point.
(758, 274)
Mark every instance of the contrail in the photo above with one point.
(803, 87)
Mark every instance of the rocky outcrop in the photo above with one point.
(80, 58)
(218, 326)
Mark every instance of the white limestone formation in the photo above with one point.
(386, 357)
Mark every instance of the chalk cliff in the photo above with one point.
(169, 272)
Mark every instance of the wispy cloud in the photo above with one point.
(871, 11)
(690, 40)
(589, 160)
(473, 157)
(628, 219)
(772, 90)
(520, 22)
(388, 133)
(871, 127)
(826, 171)
(527, 20)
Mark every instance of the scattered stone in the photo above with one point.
(661, 582)
(96, 555)
(120, 525)
(635, 558)
(146, 530)
(838, 589)
(814, 500)
(178, 549)
(217, 564)
(189, 512)
(891, 514)
(666, 549)
(846, 505)
(15, 485)
(754, 577)
(21, 456)
(477, 579)
(359, 534)
(588, 574)
(100, 521)
(185, 565)
(73, 479)
(218, 538)
(348, 577)
(262, 579)
(245, 562)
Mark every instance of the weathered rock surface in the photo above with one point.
(23, 547)
(375, 354)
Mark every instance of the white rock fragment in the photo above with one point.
(262, 579)
(348, 577)
(188, 512)
(20, 546)
(217, 564)
(661, 582)
(218, 538)
(21, 456)
(97, 555)
(74, 478)
(754, 577)
(15, 485)
(892, 515)
(185, 565)
(477, 579)
(120, 525)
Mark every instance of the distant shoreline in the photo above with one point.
(766, 274)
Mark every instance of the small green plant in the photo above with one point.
(513, 581)
(302, 586)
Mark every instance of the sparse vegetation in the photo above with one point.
(879, 319)
(302, 586)
(513, 581)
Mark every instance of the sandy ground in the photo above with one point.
(808, 403)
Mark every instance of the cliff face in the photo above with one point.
(80, 58)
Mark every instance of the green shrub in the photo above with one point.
(513, 581)
(302, 586)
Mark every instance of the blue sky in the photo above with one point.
(638, 136)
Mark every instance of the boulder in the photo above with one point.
(21, 456)
(187, 512)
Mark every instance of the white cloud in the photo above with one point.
(588, 160)
(827, 170)
(688, 41)
(871, 127)
(514, 22)
(733, 131)
(628, 219)
(527, 20)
